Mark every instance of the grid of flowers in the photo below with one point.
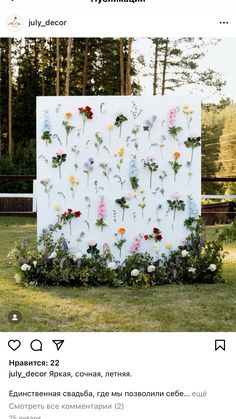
(127, 168)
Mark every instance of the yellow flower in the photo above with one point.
(141, 191)
(77, 182)
(190, 111)
(169, 246)
(121, 152)
(185, 107)
(68, 115)
(72, 179)
(57, 207)
(110, 127)
(121, 230)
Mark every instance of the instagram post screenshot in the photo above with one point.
(117, 209)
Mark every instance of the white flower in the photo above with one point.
(134, 272)
(192, 270)
(78, 256)
(35, 263)
(92, 243)
(25, 267)
(212, 267)
(129, 196)
(53, 255)
(184, 253)
(151, 268)
(17, 278)
(112, 266)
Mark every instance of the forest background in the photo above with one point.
(31, 67)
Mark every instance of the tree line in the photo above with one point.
(31, 67)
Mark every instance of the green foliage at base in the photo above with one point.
(52, 262)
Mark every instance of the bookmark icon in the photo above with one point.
(58, 344)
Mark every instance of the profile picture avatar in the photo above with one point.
(14, 23)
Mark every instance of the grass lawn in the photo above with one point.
(166, 308)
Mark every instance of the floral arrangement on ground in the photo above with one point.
(52, 262)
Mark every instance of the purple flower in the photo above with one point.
(64, 244)
(78, 264)
(46, 255)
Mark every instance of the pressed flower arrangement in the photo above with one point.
(58, 160)
(130, 176)
(68, 127)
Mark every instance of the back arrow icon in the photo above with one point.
(58, 343)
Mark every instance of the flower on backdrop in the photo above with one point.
(88, 203)
(136, 244)
(169, 246)
(155, 235)
(192, 207)
(152, 166)
(77, 256)
(174, 164)
(69, 128)
(122, 202)
(133, 174)
(106, 170)
(120, 180)
(101, 214)
(57, 208)
(98, 141)
(148, 125)
(134, 272)
(192, 270)
(120, 119)
(189, 114)
(176, 204)
(120, 239)
(68, 216)
(162, 145)
(88, 168)
(53, 255)
(47, 187)
(106, 251)
(173, 129)
(46, 134)
(119, 158)
(184, 253)
(73, 185)
(75, 150)
(135, 132)
(86, 113)
(212, 267)
(59, 159)
(110, 128)
(141, 200)
(192, 142)
(162, 177)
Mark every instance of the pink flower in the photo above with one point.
(171, 118)
(175, 195)
(129, 196)
(60, 152)
(150, 158)
(136, 245)
(101, 209)
(92, 243)
(183, 240)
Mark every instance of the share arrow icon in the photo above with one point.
(58, 344)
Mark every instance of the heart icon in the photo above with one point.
(14, 344)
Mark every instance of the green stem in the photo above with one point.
(60, 171)
(123, 214)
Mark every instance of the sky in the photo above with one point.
(221, 58)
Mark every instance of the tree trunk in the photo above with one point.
(58, 67)
(10, 140)
(155, 68)
(43, 67)
(122, 68)
(128, 68)
(163, 88)
(85, 71)
(68, 66)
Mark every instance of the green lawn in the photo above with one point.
(165, 308)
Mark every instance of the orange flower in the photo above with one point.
(68, 115)
(121, 152)
(176, 155)
(121, 230)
